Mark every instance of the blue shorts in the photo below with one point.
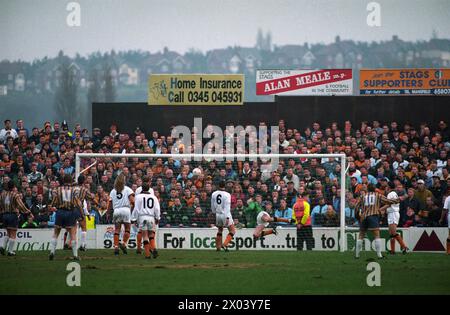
(10, 221)
(79, 216)
(371, 222)
(66, 218)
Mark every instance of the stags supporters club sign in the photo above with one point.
(405, 82)
(304, 82)
(198, 89)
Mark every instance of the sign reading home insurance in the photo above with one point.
(304, 82)
(405, 82)
(197, 89)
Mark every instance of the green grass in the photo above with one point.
(235, 272)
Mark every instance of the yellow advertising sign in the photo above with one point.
(90, 223)
(196, 89)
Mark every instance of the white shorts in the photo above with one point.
(147, 223)
(259, 220)
(393, 217)
(122, 215)
(221, 220)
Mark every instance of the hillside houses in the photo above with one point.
(166, 61)
(435, 53)
(291, 57)
(132, 68)
(233, 60)
(14, 76)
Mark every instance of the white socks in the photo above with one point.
(5, 242)
(11, 243)
(359, 244)
(53, 243)
(83, 239)
(378, 247)
(74, 248)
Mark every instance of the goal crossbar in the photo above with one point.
(216, 156)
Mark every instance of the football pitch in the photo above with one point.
(235, 272)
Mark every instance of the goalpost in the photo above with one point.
(240, 157)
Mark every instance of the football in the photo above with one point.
(196, 171)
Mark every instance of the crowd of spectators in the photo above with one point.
(414, 158)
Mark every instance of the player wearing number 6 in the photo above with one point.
(221, 206)
(147, 213)
(369, 216)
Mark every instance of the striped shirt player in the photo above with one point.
(370, 204)
(221, 207)
(68, 210)
(68, 207)
(147, 213)
(11, 206)
(86, 198)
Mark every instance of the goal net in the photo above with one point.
(270, 182)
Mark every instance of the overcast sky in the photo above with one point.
(35, 28)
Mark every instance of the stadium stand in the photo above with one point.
(415, 156)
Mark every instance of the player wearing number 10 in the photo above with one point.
(145, 179)
(147, 213)
(221, 206)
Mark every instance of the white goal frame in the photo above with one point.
(340, 156)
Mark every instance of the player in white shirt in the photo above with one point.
(221, 206)
(263, 220)
(139, 191)
(446, 212)
(393, 217)
(145, 179)
(147, 213)
(122, 198)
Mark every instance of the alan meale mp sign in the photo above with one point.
(304, 82)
